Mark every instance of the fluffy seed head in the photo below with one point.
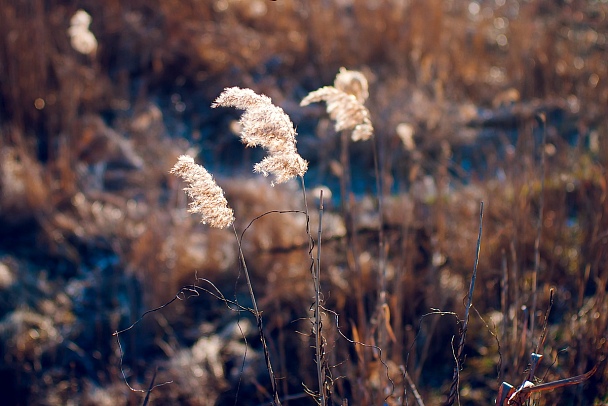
(345, 103)
(352, 82)
(266, 125)
(207, 197)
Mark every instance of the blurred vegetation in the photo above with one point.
(94, 230)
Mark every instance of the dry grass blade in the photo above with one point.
(575, 380)
(521, 395)
(504, 392)
(507, 395)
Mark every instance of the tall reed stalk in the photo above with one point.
(263, 124)
(345, 105)
(539, 227)
(458, 355)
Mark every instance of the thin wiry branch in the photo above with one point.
(259, 321)
(266, 125)
(184, 293)
(362, 344)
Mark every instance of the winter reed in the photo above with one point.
(266, 125)
(207, 197)
(345, 104)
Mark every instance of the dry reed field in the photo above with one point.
(290, 202)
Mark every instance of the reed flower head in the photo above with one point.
(266, 125)
(345, 103)
(207, 197)
(352, 82)
(81, 38)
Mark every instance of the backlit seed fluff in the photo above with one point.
(266, 125)
(345, 104)
(207, 197)
(352, 82)
(81, 38)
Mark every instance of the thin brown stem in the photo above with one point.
(382, 294)
(316, 276)
(412, 386)
(504, 287)
(347, 204)
(258, 316)
(539, 228)
(318, 338)
(458, 355)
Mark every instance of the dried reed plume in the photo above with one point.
(207, 197)
(81, 38)
(352, 82)
(345, 103)
(268, 126)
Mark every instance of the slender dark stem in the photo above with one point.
(316, 276)
(381, 240)
(539, 228)
(543, 336)
(318, 338)
(258, 316)
(246, 271)
(504, 287)
(352, 256)
(458, 355)
(516, 306)
(345, 175)
(412, 386)
(382, 294)
(473, 280)
(147, 398)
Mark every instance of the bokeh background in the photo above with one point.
(467, 98)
